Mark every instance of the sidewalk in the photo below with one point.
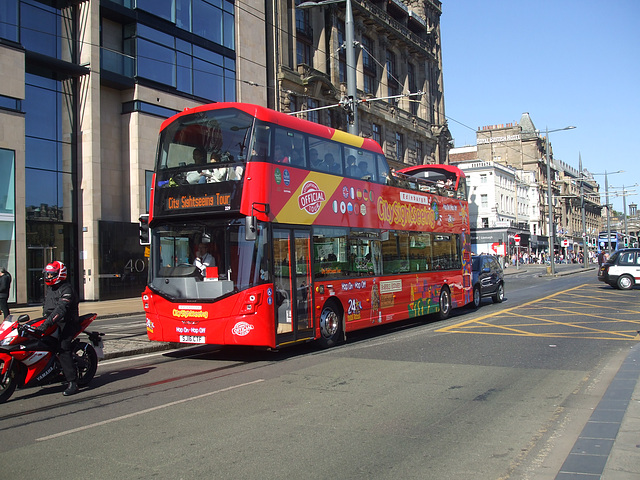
(104, 309)
(113, 348)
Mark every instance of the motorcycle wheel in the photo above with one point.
(8, 385)
(86, 360)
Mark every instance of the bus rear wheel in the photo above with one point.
(330, 326)
(445, 304)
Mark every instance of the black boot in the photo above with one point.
(72, 389)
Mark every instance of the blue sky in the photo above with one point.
(566, 62)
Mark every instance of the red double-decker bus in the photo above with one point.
(268, 230)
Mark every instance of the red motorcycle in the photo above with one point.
(29, 358)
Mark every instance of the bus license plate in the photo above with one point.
(191, 339)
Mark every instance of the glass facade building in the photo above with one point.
(84, 87)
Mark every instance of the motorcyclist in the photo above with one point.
(61, 309)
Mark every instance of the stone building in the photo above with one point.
(521, 146)
(398, 52)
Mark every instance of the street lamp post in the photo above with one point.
(352, 90)
(551, 229)
(606, 191)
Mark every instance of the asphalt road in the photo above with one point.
(497, 393)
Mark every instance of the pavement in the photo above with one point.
(608, 447)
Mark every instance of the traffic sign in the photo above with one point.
(516, 238)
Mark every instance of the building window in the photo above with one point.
(189, 68)
(342, 55)
(485, 222)
(483, 178)
(376, 133)
(399, 147)
(304, 36)
(7, 214)
(9, 22)
(48, 152)
(414, 101)
(210, 19)
(484, 201)
(41, 28)
(313, 116)
(368, 66)
(419, 153)
(392, 82)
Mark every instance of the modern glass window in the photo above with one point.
(48, 181)
(40, 28)
(9, 22)
(207, 21)
(7, 189)
(210, 19)
(7, 215)
(177, 63)
(161, 8)
(155, 62)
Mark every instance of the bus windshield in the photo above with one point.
(206, 259)
(192, 143)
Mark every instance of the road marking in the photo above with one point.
(595, 312)
(142, 412)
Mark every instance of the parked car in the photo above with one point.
(487, 279)
(622, 269)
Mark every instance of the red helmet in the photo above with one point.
(54, 273)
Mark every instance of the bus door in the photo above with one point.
(292, 283)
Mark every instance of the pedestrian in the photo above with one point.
(5, 286)
(61, 309)
(600, 258)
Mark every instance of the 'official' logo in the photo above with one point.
(311, 198)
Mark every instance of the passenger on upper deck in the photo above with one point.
(330, 165)
(199, 158)
(314, 159)
(215, 174)
(364, 171)
(352, 170)
(279, 155)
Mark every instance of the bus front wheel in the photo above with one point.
(445, 304)
(330, 326)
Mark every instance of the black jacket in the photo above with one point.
(5, 284)
(61, 306)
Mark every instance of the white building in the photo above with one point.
(503, 202)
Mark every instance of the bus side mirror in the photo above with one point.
(251, 227)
